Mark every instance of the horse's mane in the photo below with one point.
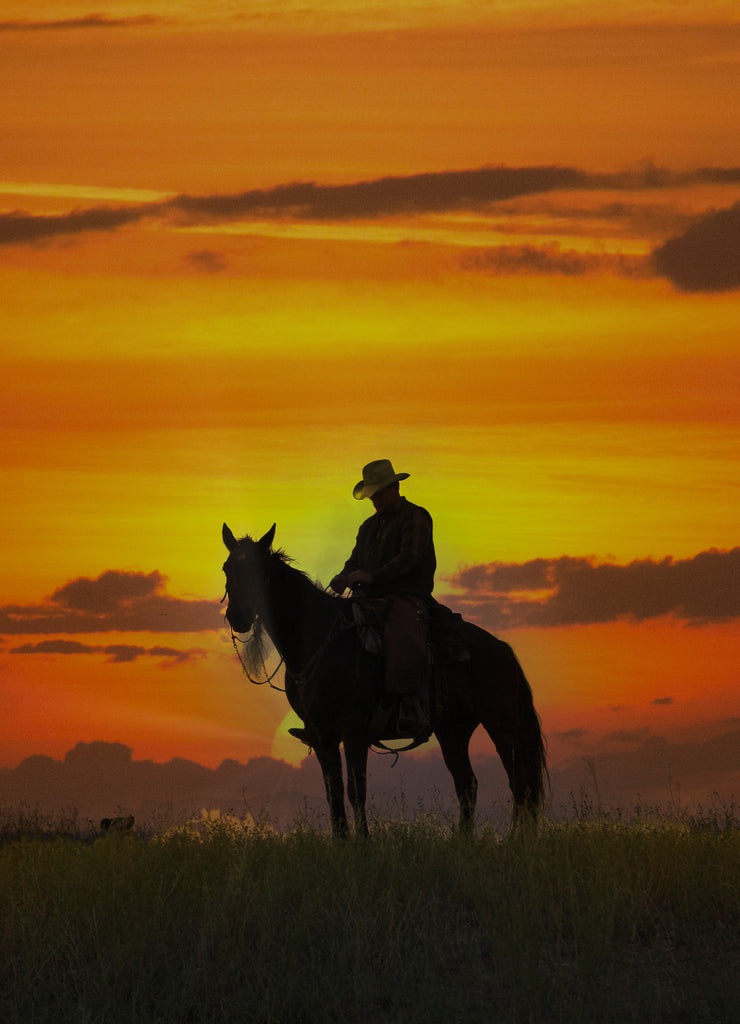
(280, 555)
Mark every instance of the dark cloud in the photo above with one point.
(663, 700)
(55, 647)
(706, 257)
(618, 219)
(18, 227)
(567, 591)
(412, 194)
(115, 653)
(109, 592)
(430, 193)
(113, 602)
(121, 653)
(629, 735)
(571, 735)
(207, 260)
(174, 654)
(711, 176)
(89, 21)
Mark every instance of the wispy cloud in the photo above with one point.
(550, 258)
(113, 602)
(89, 21)
(705, 257)
(569, 591)
(115, 653)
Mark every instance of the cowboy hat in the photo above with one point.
(375, 476)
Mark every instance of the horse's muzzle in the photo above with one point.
(240, 621)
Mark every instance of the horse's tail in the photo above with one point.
(531, 778)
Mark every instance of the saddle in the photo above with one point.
(447, 681)
(446, 629)
(367, 615)
(446, 645)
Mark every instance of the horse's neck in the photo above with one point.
(300, 614)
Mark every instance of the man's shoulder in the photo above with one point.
(415, 510)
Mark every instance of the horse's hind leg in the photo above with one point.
(331, 767)
(520, 784)
(454, 746)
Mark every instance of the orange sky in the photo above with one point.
(515, 274)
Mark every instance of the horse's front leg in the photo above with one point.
(331, 766)
(355, 756)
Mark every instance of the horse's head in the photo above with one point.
(246, 571)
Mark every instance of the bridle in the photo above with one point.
(236, 640)
(303, 676)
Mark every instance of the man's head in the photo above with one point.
(387, 498)
(376, 477)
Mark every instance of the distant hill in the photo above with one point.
(101, 779)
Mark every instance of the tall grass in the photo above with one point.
(589, 921)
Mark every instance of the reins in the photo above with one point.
(302, 677)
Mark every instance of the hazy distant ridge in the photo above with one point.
(99, 779)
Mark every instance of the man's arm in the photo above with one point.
(343, 579)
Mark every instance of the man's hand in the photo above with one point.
(339, 584)
(358, 578)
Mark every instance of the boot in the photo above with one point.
(307, 735)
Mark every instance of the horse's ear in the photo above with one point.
(229, 539)
(266, 541)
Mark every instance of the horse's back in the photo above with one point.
(494, 667)
(486, 649)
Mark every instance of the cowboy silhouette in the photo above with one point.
(393, 558)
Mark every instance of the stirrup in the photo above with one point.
(414, 724)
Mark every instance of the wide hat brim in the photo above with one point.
(366, 488)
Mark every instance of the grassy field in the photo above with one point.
(593, 920)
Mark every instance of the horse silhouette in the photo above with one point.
(335, 686)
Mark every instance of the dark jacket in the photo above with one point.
(397, 549)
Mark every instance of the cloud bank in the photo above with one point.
(706, 257)
(578, 591)
(115, 653)
(113, 602)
